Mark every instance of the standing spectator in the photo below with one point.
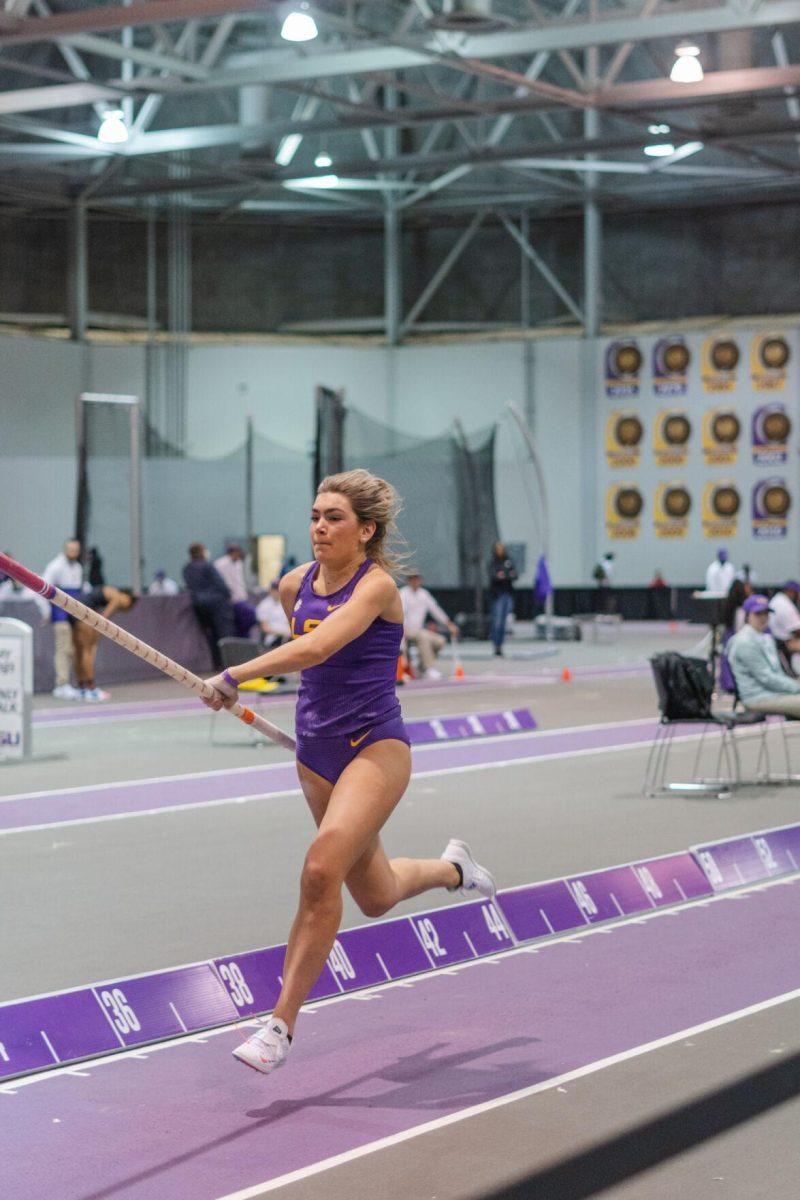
(65, 572)
(95, 573)
(502, 574)
(231, 568)
(658, 580)
(603, 575)
(272, 619)
(753, 658)
(720, 574)
(418, 605)
(162, 585)
(106, 601)
(210, 598)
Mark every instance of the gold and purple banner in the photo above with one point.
(624, 505)
(623, 365)
(720, 509)
(770, 504)
(624, 433)
(771, 428)
(769, 355)
(671, 358)
(720, 436)
(719, 358)
(672, 430)
(672, 503)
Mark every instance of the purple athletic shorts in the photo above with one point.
(328, 756)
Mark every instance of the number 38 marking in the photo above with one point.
(231, 975)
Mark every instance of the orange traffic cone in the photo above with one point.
(402, 668)
(459, 672)
(566, 675)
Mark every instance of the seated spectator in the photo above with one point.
(753, 658)
(658, 580)
(210, 598)
(784, 624)
(162, 585)
(272, 619)
(418, 604)
(231, 568)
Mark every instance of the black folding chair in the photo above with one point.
(685, 689)
(234, 651)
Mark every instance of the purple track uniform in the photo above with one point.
(348, 702)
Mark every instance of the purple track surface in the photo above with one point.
(186, 1121)
(148, 795)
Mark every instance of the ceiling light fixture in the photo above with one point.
(687, 67)
(312, 181)
(299, 26)
(659, 149)
(113, 129)
(323, 159)
(658, 128)
(288, 148)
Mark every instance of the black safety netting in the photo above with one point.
(183, 499)
(447, 486)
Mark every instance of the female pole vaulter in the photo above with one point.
(353, 756)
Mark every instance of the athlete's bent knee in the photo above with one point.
(319, 881)
(374, 906)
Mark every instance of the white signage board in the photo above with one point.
(16, 686)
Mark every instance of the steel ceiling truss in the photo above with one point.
(547, 108)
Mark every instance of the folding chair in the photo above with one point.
(690, 704)
(233, 652)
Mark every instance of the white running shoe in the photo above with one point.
(432, 673)
(267, 1048)
(65, 691)
(476, 877)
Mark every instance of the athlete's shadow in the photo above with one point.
(417, 1081)
(424, 1080)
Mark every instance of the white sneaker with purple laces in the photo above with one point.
(267, 1048)
(475, 877)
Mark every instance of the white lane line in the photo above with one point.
(49, 1045)
(383, 966)
(271, 1185)
(266, 768)
(472, 948)
(178, 1017)
(193, 806)
(467, 965)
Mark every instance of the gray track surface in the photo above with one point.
(101, 900)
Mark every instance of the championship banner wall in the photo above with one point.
(698, 449)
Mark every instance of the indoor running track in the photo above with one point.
(185, 1122)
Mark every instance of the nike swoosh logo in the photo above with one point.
(331, 607)
(357, 741)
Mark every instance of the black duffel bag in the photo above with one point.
(685, 686)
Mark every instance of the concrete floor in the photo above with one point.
(101, 900)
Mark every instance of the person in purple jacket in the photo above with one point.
(353, 756)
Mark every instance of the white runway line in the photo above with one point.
(251, 1193)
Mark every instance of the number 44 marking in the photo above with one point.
(494, 922)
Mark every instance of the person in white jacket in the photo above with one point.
(418, 605)
(720, 574)
(65, 571)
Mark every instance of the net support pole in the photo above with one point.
(530, 446)
(477, 496)
(136, 498)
